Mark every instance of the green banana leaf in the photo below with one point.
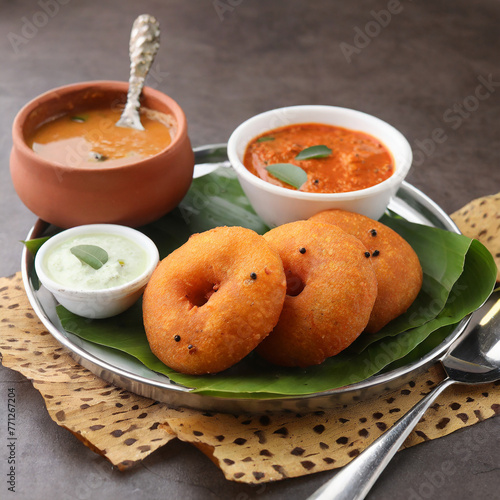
(459, 274)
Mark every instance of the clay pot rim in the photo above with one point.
(106, 85)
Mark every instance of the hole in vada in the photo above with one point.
(294, 284)
(198, 296)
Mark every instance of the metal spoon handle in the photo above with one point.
(144, 44)
(355, 480)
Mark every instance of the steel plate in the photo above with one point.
(130, 374)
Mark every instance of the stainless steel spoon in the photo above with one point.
(473, 359)
(144, 44)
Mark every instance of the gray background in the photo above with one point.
(224, 61)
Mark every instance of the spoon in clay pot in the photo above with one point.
(144, 44)
(474, 358)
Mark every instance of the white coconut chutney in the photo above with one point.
(126, 261)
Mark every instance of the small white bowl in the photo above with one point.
(101, 303)
(276, 205)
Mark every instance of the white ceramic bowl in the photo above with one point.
(106, 302)
(277, 205)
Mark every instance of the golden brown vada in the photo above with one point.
(396, 265)
(331, 289)
(211, 301)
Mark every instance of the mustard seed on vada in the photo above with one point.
(211, 301)
(331, 289)
(396, 265)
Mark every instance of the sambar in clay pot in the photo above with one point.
(126, 184)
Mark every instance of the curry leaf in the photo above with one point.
(289, 173)
(34, 244)
(80, 118)
(265, 138)
(314, 152)
(91, 255)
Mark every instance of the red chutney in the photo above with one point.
(357, 161)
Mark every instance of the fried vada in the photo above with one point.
(331, 289)
(396, 265)
(211, 301)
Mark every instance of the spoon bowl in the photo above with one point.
(474, 358)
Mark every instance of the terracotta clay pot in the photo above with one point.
(132, 195)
